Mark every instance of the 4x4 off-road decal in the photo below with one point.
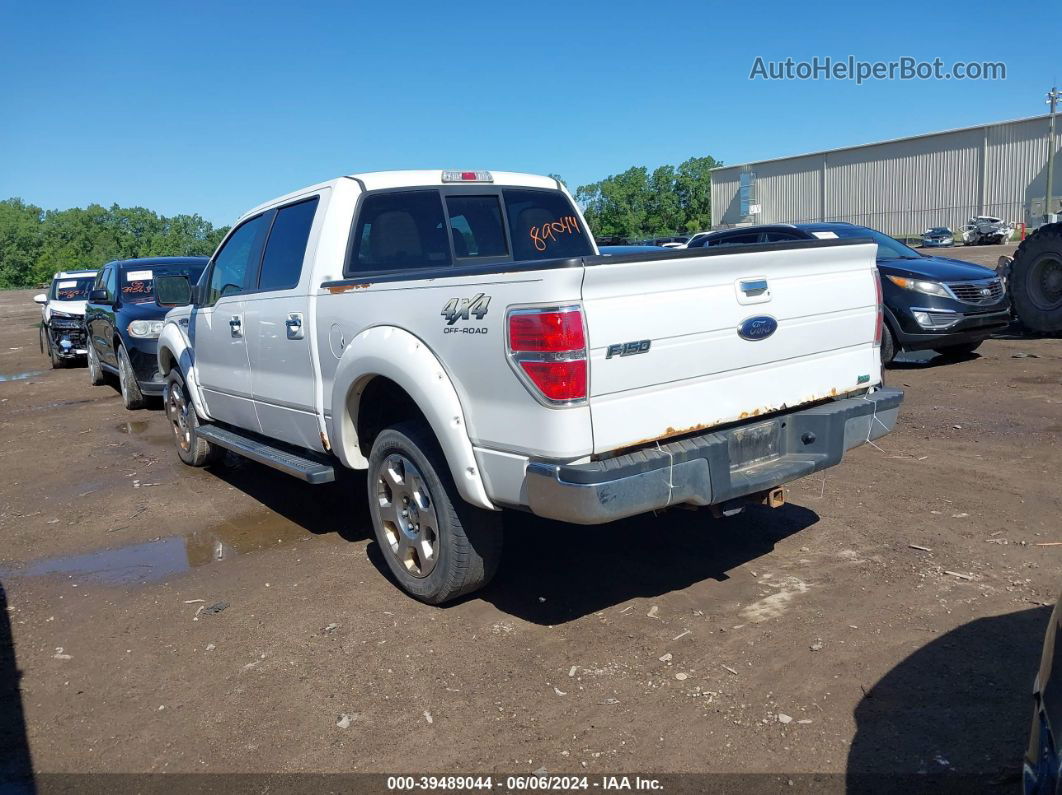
(465, 309)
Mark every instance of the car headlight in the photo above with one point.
(145, 329)
(920, 286)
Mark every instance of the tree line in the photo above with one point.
(641, 204)
(36, 243)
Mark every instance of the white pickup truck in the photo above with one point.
(458, 335)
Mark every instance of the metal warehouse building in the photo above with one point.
(901, 186)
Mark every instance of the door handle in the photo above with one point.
(294, 325)
(753, 286)
(236, 326)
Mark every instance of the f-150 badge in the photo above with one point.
(465, 308)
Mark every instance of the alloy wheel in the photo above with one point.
(177, 414)
(407, 512)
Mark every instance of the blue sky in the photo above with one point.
(215, 107)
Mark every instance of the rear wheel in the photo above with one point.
(959, 350)
(437, 546)
(132, 397)
(192, 449)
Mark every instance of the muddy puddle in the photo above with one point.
(134, 426)
(164, 558)
(19, 376)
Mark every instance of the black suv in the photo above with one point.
(124, 317)
(931, 303)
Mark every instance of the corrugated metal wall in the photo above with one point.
(901, 187)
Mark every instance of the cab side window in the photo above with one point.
(286, 247)
(399, 231)
(236, 259)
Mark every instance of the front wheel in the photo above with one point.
(58, 363)
(191, 449)
(94, 370)
(888, 345)
(437, 546)
(132, 397)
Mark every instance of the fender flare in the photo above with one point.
(174, 351)
(396, 354)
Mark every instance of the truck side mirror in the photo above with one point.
(98, 297)
(41, 298)
(173, 290)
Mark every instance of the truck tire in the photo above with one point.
(436, 545)
(1036, 280)
(957, 351)
(180, 412)
(132, 397)
(95, 372)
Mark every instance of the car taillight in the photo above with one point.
(880, 322)
(548, 349)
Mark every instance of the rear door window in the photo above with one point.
(286, 248)
(780, 237)
(477, 227)
(544, 225)
(403, 230)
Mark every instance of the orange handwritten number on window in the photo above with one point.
(569, 224)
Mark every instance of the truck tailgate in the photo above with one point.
(703, 364)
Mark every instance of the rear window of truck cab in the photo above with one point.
(427, 228)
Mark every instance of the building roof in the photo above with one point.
(820, 152)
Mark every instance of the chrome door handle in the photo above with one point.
(753, 286)
(294, 325)
(236, 326)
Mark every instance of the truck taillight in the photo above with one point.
(548, 350)
(880, 321)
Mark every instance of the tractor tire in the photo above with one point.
(1036, 280)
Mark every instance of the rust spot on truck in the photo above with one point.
(346, 288)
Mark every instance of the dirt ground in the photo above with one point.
(888, 619)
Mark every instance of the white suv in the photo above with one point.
(63, 316)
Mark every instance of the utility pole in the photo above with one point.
(1052, 100)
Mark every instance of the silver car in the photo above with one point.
(938, 236)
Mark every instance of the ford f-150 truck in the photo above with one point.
(458, 335)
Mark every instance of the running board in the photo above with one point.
(303, 467)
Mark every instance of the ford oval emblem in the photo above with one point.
(759, 327)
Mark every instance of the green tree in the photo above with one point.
(693, 186)
(35, 244)
(20, 241)
(637, 204)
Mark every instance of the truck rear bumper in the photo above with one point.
(711, 468)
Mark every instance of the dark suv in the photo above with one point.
(931, 303)
(124, 318)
